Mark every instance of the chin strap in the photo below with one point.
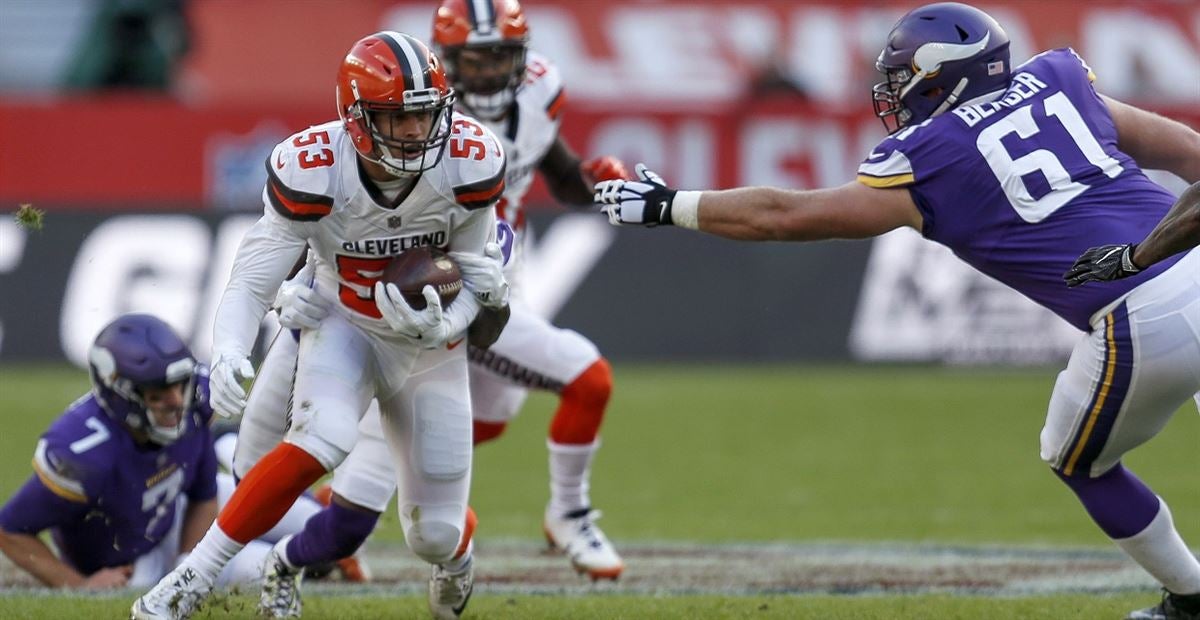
(949, 102)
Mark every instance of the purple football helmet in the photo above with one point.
(938, 57)
(135, 352)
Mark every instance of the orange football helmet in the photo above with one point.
(387, 79)
(483, 43)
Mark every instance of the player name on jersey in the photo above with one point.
(1024, 86)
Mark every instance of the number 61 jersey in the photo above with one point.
(317, 193)
(1020, 185)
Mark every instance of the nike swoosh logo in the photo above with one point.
(875, 155)
(1109, 253)
(279, 162)
(451, 345)
(458, 610)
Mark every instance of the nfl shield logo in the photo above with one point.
(394, 221)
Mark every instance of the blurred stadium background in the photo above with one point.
(141, 128)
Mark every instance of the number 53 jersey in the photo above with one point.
(316, 193)
(1021, 185)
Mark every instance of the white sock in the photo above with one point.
(1161, 551)
(456, 565)
(213, 552)
(570, 471)
(280, 547)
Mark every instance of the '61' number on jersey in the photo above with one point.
(1009, 170)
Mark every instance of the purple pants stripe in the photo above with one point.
(1108, 395)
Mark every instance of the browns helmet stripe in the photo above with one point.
(483, 16)
(413, 64)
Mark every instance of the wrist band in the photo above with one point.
(685, 210)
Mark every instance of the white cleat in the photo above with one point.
(280, 597)
(449, 592)
(577, 535)
(175, 597)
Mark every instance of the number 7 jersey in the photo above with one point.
(1019, 186)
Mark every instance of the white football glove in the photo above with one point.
(645, 202)
(228, 372)
(298, 303)
(484, 275)
(426, 327)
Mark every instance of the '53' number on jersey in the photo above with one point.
(462, 145)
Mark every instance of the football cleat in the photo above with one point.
(280, 596)
(449, 592)
(577, 535)
(175, 597)
(1172, 607)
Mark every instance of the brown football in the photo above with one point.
(415, 268)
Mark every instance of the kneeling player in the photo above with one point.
(126, 479)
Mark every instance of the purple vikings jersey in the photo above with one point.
(105, 499)
(1020, 186)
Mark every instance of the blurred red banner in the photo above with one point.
(711, 94)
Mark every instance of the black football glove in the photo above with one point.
(1103, 263)
(645, 202)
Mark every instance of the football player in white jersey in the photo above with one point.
(517, 94)
(398, 170)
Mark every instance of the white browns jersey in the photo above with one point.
(528, 132)
(317, 194)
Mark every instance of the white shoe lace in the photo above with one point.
(450, 587)
(281, 590)
(589, 531)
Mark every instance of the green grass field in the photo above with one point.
(717, 455)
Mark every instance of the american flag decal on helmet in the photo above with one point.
(995, 68)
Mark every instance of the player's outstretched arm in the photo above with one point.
(1155, 141)
(852, 211)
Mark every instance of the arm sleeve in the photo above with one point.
(35, 507)
(263, 260)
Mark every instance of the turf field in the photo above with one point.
(754, 492)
